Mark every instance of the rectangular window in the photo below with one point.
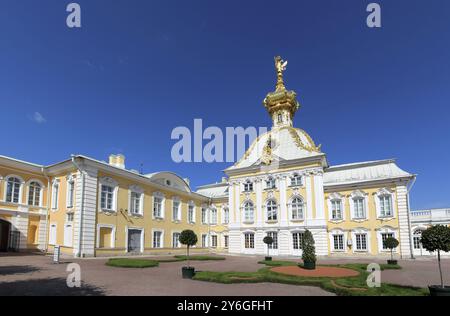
(13, 190)
(338, 242)
(336, 209)
(386, 206)
(248, 187)
(297, 239)
(274, 236)
(106, 235)
(191, 218)
(226, 216)
(55, 196)
(225, 241)
(69, 217)
(135, 203)
(107, 197)
(70, 193)
(204, 239)
(249, 241)
(214, 241)
(52, 234)
(296, 180)
(157, 207)
(358, 205)
(361, 242)
(385, 236)
(204, 215)
(176, 240)
(157, 239)
(213, 217)
(417, 243)
(176, 211)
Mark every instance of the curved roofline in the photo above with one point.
(152, 175)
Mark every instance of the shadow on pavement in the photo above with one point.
(47, 287)
(8, 270)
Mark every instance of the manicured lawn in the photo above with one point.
(147, 263)
(349, 286)
(200, 258)
(132, 263)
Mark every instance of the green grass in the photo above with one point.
(199, 258)
(348, 286)
(132, 263)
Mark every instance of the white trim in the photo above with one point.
(50, 241)
(161, 241)
(142, 230)
(332, 233)
(22, 182)
(70, 180)
(365, 231)
(336, 197)
(41, 193)
(161, 196)
(387, 230)
(362, 195)
(137, 190)
(296, 196)
(110, 182)
(113, 235)
(383, 192)
(55, 197)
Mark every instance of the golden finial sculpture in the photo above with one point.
(280, 66)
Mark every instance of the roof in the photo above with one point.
(364, 172)
(215, 190)
(288, 143)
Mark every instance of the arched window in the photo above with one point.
(270, 183)
(34, 194)
(13, 190)
(248, 212)
(272, 210)
(296, 180)
(417, 239)
(297, 209)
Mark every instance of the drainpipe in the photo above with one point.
(47, 215)
(81, 206)
(409, 218)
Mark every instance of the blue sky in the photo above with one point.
(137, 69)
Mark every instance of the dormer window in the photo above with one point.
(296, 180)
(280, 118)
(248, 186)
(270, 183)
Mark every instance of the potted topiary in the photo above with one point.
(188, 238)
(391, 243)
(309, 251)
(268, 241)
(437, 238)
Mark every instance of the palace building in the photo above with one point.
(282, 186)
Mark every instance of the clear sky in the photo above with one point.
(137, 69)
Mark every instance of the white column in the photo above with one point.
(403, 222)
(237, 195)
(283, 202)
(319, 196)
(259, 212)
(231, 204)
(20, 224)
(42, 236)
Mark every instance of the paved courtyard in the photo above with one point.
(37, 275)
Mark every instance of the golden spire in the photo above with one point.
(280, 66)
(282, 103)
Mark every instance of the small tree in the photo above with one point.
(437, 238)
(309, 250)
(391, 243)
(268, 241)
(188, 238)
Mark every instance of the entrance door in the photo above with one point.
(134, 240)
(5, 228)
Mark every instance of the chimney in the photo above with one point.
(117, 161)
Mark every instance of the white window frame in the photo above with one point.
(135, 190)
(204, 215)
(142, 230)
(249, 212)
(298, 240)
(226, 241)
(216, 238)
(291, 208)
(21, 184)
(110, 182)
(334, 197)
(161, 238)
(361, 231)
(359, 195)
(176, 212)
(213, 215)
(275, 237)
(381, 193)
(248, 186)
(158, 195)
(271, 183)
(225, 215)
(177, 244)
(56, 190)
(113, 235)
(251, 241)
(53, 239)
(204, 240)
(385, 230)
(70, 191)
(337, 232)
(275, 207)
(191, 220)
(41, 193)
(296, 180)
